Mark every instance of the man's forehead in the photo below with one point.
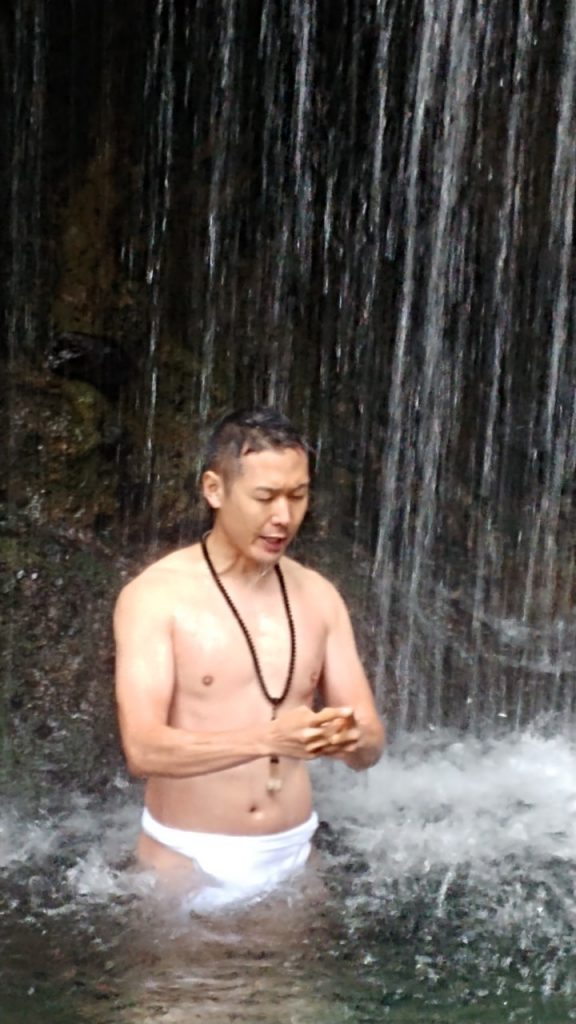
(274, 462)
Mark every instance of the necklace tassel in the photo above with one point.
(274, 784)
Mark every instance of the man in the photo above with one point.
(224, 649)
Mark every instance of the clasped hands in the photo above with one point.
(303, 733)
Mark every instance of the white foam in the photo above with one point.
(21, 840)
(436, 803)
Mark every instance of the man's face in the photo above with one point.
(261, 508)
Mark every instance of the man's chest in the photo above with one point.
(217, 652)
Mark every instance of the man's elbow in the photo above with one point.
(361, 760)
(136, 757)
(370, 751)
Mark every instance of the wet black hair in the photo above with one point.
(249, 430)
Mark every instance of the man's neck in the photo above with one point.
(231, 564)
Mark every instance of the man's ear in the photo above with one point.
(212, 488)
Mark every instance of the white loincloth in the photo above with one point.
(236, 868)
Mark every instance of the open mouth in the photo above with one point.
(274, 543)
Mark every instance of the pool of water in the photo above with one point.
(445, 892)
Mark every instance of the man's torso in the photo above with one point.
(216, 690)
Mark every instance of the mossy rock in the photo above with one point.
(59, 467)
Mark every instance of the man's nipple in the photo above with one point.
(207, 680)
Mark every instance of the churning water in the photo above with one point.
(445, 893)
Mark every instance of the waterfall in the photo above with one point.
(362, 212)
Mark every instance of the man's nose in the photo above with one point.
(281, 511)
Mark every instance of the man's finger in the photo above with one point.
(315, 735)
(329, 714)
(341, 739)
(317, 745)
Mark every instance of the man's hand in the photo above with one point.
(306, 734)
(342, 734)
(349, 740)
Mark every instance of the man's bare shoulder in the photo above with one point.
(311, 582)
(159, 581)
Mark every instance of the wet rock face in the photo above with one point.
(62, 436)
(79, 452)
(57, 720)
(102, 362)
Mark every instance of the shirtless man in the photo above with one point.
(224, 651)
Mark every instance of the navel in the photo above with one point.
(207, 680)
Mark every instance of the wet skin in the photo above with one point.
(193, 718)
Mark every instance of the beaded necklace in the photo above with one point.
(274, 783)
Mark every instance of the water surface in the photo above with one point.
(445, 893)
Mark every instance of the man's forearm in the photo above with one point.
(160, 749)
(177, 753)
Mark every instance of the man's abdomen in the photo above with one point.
(235, 801)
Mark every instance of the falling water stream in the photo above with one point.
(361, 211)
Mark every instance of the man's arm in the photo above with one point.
(145, 680)
(344, 683)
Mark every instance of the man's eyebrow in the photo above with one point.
(278, 490)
